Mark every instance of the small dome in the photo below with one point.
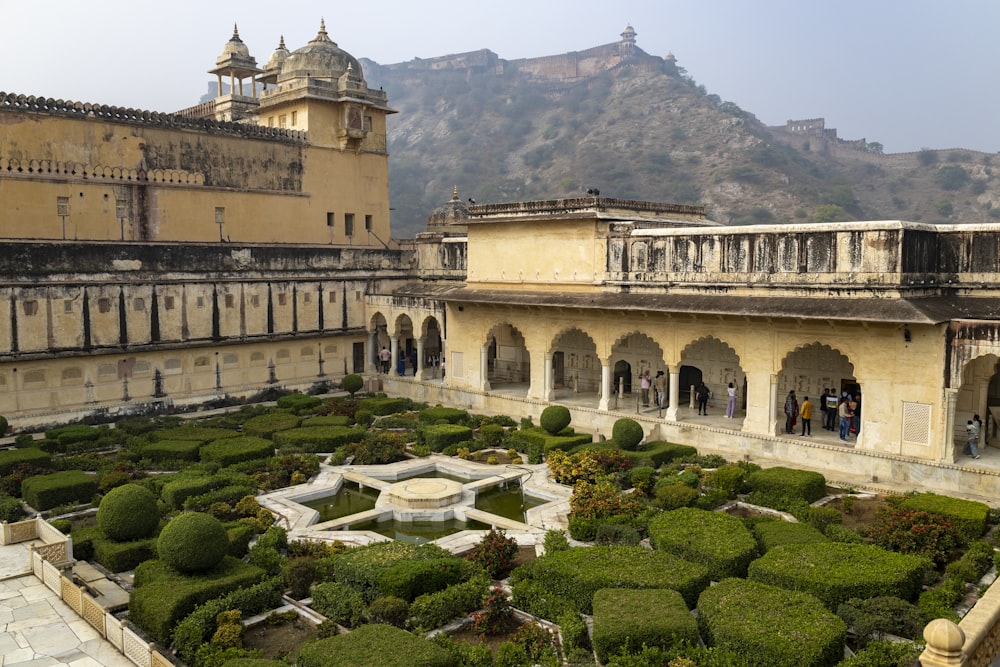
(321, 58)
(234, 49)
(453, 212)
(279, 56)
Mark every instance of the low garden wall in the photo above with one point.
(56, 548)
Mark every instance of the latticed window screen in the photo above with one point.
(917, 423)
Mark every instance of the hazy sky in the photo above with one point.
(907, 73)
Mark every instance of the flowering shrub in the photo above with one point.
(495, 553)
(913, 532)
(570, 468)
(603, 500)
(496, 617)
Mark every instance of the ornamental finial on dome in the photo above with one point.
(281, 44)
(321, 36)
(236, 34)
(454, 194)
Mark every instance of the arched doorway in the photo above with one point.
(507, 358)
(810, 369)
(716, 363)
(622, 377)
(634, 354)
(576, 367)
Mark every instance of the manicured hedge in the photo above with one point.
(433, 610)
(380, 407)
(175, 492)
(122, 556)
(32, 455)
(43, 492)
(771, 534)
(576, 574)
(769, 626)
(167, 450)
(267, 425)
(162, 596)
(968, 516)
(720, 542)
(76, 433)
(537, 439)
(319, 438)
(234, 450)
(835, 572)
(239, 534)
(299, 402)
(374, 644)
(326, 420)
(439, 414)
(439, 436)
(628, 620)
(659, 452)
(789, 482)
(230, 494)
(199, 433)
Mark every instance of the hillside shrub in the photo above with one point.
(43, 492)
(163, 596)
(770, 626)
(352, 383)
(802, 484)
(299, 402)
(627, 433)
(555, 418)
(720, 542)
(381, 406)
(439, 414)
(626, 620)
(835, 572)
(28, 455)
(193, 542)
(234, 450)
(170, 450)
(576, 574)
(440, 436)
(265, 426)
(318, 438)
(339, 603)
(373, 644)
(128, 513)
(969, 517)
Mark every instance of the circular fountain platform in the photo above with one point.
(424, 493)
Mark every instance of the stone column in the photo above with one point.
(948, 437)
(371, 354)
(772, 421)
(393, 353)
(602, 404)
(418, 372)
(675, 392)
(548, 388)
(484, 368)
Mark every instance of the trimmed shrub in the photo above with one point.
(874, 618)
(432, 610)
(318, 438)
(555, 418)
(967, 516)
(11, 509)
(168, 450)
(772, 534)
(389, 610)
(374, 644)
(627, 433)
(720, 542)
(352, 383)
(267, 425)
(339, 603)
(123, 556)
(193, 542)
(626, 620)
(74, 434)
(191, 432)
(230, 495)
(913, 532)
(835, 572)
(659, 452)
(326, 420)
(770, 626)
(888, 653)
(128, 513)
(729, 479)
(577, 574)
(381, 406)
(495, 553)
(176, 491)
(162, 596)
(31, 455)
(299, 402)
(234, 450)
(43, 492)
(239, 535)
(804, 484)
(438, 414)
(440, 436)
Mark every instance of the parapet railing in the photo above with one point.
(55, 548)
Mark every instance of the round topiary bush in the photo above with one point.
(352, 383)
(627, 433)
(128, 513)
(192, 542)
(555, 418)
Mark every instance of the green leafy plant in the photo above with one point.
(495, 553)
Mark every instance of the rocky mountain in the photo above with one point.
(637, 126)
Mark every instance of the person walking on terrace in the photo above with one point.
(730, 401)
(702, 393)
(791, 411)
(660, 384)
(806, 413)
(972, 446)
(644, 385)
(844, 413)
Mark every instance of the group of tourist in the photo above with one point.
(841, 414)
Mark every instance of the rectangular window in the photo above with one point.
(168, 302)
(329, 219)
(200, 302)
(368, 223)
(220, 215)
(139, 305)
(282, 120)
(230, 301)
(357, 295)
(270, 121)
(255, 301)
(281, 298)
(67, 306)
(62, 205)
(30, 307)
(104, 305)
(295, 118)
(307, 297)
(120, 210)
(333, 297)
(368, 123)
(349, 224)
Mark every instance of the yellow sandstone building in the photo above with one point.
(155, 261)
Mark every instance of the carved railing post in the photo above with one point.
(944, 645)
